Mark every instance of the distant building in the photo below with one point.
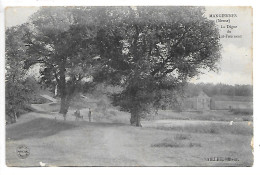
(201, 102)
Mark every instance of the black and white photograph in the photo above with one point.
(129, 86)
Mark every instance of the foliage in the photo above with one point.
(59, 39)
(246, 111)
(19, 87)
(147, 50)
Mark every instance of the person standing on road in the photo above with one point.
(89, 115)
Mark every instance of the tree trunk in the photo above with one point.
(138, 121)
(14, 117)
(64, 106)
(135, 119)
(56, 90)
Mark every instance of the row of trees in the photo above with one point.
(146, 51)
(219, 89)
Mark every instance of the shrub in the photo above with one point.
(192, 144)
(239, 111)
(112, 113)
(175, 144)
(182, 137)
(168, 143)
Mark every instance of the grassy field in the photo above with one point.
(212, 115)
(111, 141)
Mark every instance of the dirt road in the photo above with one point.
(80, 143)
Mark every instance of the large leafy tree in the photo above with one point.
(19, 87)
(63, 41)
(147, 50)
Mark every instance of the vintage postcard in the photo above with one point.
(129, 86)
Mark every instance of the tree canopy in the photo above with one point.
(19, 87)
(59, 40)
(148, 50)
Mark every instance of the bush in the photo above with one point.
(192, 144)
(36, 99)
(175, 144)
(239, 111)
(168, 143)
(18, 96)
(182, 137)
(113, 113)
(171, 145)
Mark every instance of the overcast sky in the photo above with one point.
(236, 63)
(236, 66)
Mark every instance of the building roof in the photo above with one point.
(197, 94)
(202, 94)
